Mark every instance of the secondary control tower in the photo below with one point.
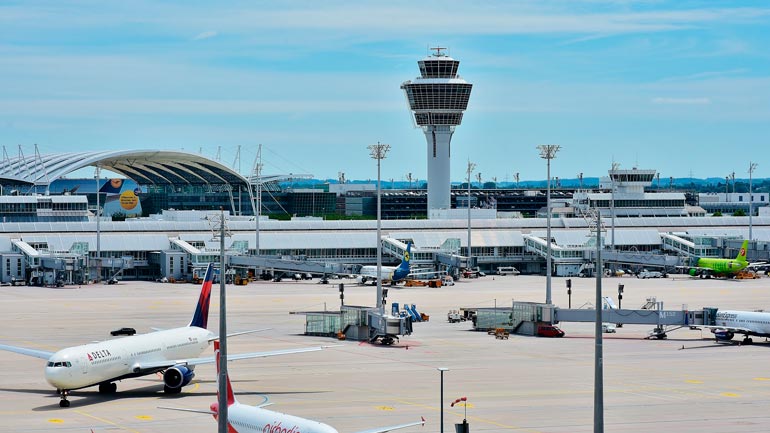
(438, 99)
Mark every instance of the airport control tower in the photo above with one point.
(438, 99)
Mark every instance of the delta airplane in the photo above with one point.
(731, 322)
(174, 352)
(243, 418)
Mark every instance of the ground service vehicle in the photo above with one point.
(649, 274)
(549, 331)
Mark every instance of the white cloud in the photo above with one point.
(681, 101)
(205, 35)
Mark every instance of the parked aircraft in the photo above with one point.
(174, 352)
(708, 267)
(731, 322)
(243, 418)
(388, 274)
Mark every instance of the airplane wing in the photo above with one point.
(207, 412)
(393, 427)
(212, 359)
(42, 354)
(235, 334)
(733, 329)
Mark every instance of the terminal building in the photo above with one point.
(47, 239)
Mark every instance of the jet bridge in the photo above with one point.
(523, 317)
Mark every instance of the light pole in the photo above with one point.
(98, 229)
(442, 370)
(471, 166)
(752, 167)
(222, 400)
(378, 152)
(548, 152)
(615, 166)
(258, 197)
(598, 344)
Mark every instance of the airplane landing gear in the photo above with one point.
(64, 402)
(747, 340)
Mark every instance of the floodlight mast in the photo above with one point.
(471, 166)
(379, 151)
(548, 152)
(752, 167)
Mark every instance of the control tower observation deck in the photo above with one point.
(438, 99)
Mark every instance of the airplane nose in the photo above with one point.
(54, 377)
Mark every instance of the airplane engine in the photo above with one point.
(177, 376)
(723, 335)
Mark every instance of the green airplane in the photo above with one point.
(708, 267)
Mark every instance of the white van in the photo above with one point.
(649, 274)
(507, 270)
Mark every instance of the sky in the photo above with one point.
(679, 86)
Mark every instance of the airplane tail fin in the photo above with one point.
(201, 316)
(230, 395)
(404, 266)
(742, 253)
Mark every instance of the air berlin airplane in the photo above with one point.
(243, 418)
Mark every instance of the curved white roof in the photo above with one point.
(143, 166)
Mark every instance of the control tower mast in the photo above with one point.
(438, 99)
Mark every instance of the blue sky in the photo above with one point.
(679, 86)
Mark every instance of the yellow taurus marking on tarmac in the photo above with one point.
(56, 420)
(729, 394)
(384, 408)
(694, 381)
(465, 405)
(762, 378)
(144, 417)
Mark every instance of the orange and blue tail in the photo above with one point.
(230, 395)
(201, 316)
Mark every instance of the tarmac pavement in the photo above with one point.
(687, 383)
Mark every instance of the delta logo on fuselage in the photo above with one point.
(98, 354)
(276, 428)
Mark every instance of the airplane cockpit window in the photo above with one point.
(60, 364)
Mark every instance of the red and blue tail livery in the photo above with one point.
(201, 316)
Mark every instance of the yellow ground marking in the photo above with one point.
(694, 381)
(729, 394)
(762, 378)
(56, 420)
(465, 405)
(144, 417)
(385, 408)
(472, 418)
(106, 421)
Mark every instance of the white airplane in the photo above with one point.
(391, 274)
(243, 418)
(748, 323)
(174, 352)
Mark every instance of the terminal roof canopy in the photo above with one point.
(143, 166)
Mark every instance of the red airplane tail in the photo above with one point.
(230, 395)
